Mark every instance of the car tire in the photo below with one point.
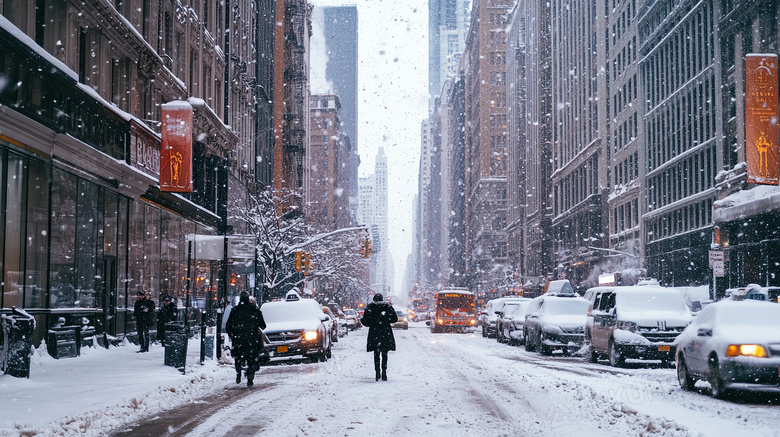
(683, 377)
(543, 348)
(484, 331)
(718, 387)
(328, 354)
(528, 342)
(616, 358)
(593, 356)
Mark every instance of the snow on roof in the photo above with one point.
(746, 203)
(26, 40)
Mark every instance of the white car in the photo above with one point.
(297, 328)
(732, 345)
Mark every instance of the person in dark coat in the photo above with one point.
(378, 316)
(168, 313)
(244, 327)
(144, 319)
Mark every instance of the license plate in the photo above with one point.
(664, 348)
(281, 349)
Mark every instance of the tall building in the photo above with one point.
(623, 151)
(579, 147)
(341, 43)
(683, 137)
(86, 224)
(291, 102)
(372, 212)
(516, 102)
(328, 164)
(484, 67)
(448, 22)
(746, 215)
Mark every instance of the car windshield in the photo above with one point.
(566, 306)
(350, 312)
(288, 311)
(400, 314)
(510, 308)
(661, 300)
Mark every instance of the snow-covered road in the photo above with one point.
(463, 385)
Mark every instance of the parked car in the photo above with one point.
(297, 328)
(732, 345)
(353, 319)
(768, 294)
(488, 317)
(638, 322)
(509, 326)
(555, 322)
(403, 320)
(334, 324)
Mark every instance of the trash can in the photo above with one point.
(175, 345)
(17, 345)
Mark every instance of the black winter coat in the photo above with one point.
(144, 312)
(378, 317)
(243, 326)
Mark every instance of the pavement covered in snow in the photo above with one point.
(439, 385)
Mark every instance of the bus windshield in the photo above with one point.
(455, 303)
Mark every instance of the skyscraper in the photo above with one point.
(448, 22)
(341, 43)
(372, 212)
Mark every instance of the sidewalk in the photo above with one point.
(102, 389)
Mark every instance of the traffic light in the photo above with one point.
(365, 248)
(298, 260)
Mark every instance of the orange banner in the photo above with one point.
(176, 148)
(761, 118)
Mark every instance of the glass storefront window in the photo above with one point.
(63, 240)
(37, 234)
(13, 290)
(86, 244)
(152, 251)
(122, 223)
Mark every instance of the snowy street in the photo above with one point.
(439, 384)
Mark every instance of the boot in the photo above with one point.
(384, 366)
(376, 366)
(238, 377)
(250, 377)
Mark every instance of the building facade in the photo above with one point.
(87, 225)
(448, 22)
(484, 69)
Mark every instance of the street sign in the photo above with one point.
(718, 269)
(716, 255)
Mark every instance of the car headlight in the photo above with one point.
(310, 335)
(750, 350)
(473, 322)
(552, 329)
(627, 326)
(440, 321)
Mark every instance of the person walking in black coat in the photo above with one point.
(244, 327)
(168, 313)
(144, 318)
(378, 316)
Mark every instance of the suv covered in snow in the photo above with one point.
(639, 322)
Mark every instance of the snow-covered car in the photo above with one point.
(297, 328)
(510, 322)
(334, 321)
(488, 317)
(757, 292)
(353, 319)
(555, 322)
(638, 322)
(403, 321)
(733, 346)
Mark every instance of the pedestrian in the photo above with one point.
(378, 316)
(244, 327)
(144, 318)
(168, 313)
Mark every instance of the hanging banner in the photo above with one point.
(761, 119)
(176, 147)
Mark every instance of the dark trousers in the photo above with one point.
(380, 365)
(143, 337)
(251, 364)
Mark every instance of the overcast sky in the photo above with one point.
(392, 102)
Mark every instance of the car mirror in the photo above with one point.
(500, 313)
(324, 317)
(704, 332)
(611, 312)
(427, 323)
(695, 306)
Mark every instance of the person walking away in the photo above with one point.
(244, 327)
(144, 317)
(378, 316)
(168, 313)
